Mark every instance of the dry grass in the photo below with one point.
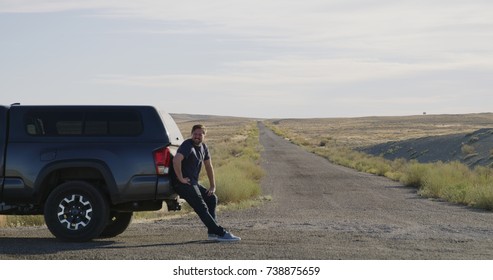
(21, 220)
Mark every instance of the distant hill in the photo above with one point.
(472, 149)
(187, 117)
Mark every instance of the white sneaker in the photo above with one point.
(212, 236)
(228, 237)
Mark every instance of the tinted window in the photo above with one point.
(117, 123)
(54, 123)
(67, 123)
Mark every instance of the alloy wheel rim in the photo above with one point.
(75, 212)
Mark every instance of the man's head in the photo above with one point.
(198, 134)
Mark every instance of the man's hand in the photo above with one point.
(211, 191)
(185, 181)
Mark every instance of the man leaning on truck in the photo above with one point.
(187, 165)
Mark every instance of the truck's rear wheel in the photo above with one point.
(118, 223)
(76, 211)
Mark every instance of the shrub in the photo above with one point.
(468, 150)
(447, 180)
(414, 174)
(481, 196)
(235, 184)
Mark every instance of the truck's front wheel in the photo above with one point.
(76, 211)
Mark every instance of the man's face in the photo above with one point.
(198, 136)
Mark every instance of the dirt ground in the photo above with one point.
(318, 211)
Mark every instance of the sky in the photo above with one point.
(251, 58)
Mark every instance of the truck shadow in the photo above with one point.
(17, 247)
(40, 248)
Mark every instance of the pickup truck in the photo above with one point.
(86, 168)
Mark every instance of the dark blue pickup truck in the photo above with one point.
(86, 168)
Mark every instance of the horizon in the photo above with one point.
(348, 117)
(254, 117)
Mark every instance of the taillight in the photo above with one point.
(162, 160)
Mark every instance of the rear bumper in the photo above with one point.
(164, 188)
(147, 193)
(147, 188)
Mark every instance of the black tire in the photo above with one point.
(76, 211)
(118, 223)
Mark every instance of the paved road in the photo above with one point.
(318, 211)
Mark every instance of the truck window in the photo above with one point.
(54, 123)
(114, 123)
(93, 123)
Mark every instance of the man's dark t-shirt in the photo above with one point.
(193, 158)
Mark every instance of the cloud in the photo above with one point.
(378, 28)
(292, 74)
(50, 6)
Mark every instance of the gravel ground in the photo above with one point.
(318, 211)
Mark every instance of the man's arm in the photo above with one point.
(177, 166)
(210, 174)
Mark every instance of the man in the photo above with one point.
(187, 164)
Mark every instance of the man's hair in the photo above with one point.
(199, 126)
